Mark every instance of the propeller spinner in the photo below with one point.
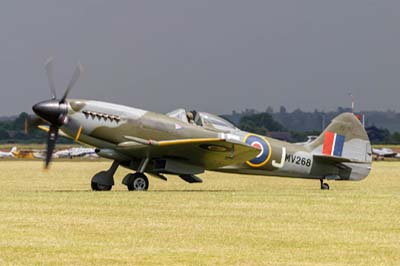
(55, 111)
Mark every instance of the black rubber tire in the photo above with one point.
(138, 182)
(98, 187)
(325, 186)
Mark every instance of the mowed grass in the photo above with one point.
(53, 218)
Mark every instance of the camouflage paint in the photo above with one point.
(106, 125)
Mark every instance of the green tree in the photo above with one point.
(260, 123)
(395, 138)
(4, 134)
(19, 123)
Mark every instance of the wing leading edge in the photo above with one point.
(209, 153)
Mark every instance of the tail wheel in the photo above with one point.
(138, 182)
(324, 186)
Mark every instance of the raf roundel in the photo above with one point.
(265, 150)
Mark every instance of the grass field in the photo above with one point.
(54, 219)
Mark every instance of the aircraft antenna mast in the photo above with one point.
(352, 102)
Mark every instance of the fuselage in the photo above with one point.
(6, 155)
(105, 125)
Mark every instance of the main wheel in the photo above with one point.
(138, 182)
(100, 187)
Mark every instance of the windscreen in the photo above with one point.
(215, 122)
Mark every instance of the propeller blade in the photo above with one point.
(33, 123)
(51, 143)
(75, 76)
(50, 77)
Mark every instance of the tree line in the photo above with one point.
(298, 124)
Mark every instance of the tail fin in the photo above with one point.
(344, 143)
(13, 150)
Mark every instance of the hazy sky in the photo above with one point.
(211, 55)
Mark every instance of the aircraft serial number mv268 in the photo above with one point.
(188, 143)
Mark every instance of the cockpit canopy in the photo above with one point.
(179, 114)
(203, 119)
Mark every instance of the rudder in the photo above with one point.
(344, 137)
(344, 148)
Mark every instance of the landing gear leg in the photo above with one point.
(104, 180)
(324, 186)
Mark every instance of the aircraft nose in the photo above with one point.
(51, 111)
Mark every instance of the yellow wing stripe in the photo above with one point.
(44, 128)
(186, 141)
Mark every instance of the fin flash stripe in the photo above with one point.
(333, 144)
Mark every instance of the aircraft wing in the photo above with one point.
(209, 153)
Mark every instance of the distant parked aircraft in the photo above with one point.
(70, 153)
(308, 141)
(82, 152)
(384, 153)
(9, 154)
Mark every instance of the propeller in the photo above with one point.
(50, 77)
(51, 144)
(55, 111)
(75, 76)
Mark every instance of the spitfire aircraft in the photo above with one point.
(188, 143)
